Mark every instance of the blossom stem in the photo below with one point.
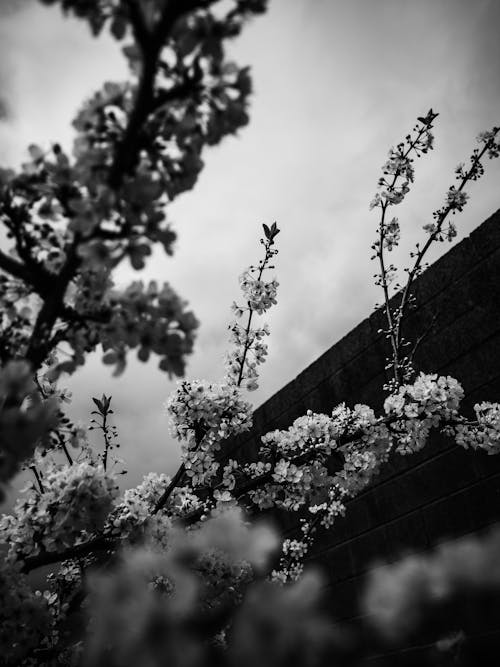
(420, 255)
(385, 288)
(103, 543)
(248, 344)
(383, 271)
(100, 543)
(38, 478)
(168, 491)
(177, 478)
(65, 449)
(104, 429)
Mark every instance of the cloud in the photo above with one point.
(336, 84)
(48, 65)
(4, 104)
(8, 8)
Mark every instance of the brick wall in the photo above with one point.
(443, 491)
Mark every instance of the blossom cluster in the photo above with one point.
(174, 590)
(295, 469)
(300, 474)
(133, 519)
(399, 165)
(485, 432)
(295, 547)
(64, 583)
(363, 458)
(456, 199)
(392, 234)
(153, 320)
(75, 502)
(306, 431)
(147, 318)
(440, 234)
(249, 352)
(202, 415)
(418, 407)
(491, 140)
(217, 409)
(360, 440)
(259, 295)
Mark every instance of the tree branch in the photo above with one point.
(16, 269)
(140, 29)
(103, 543)
(127, 150)
(124, 159)
(173, 484)
(100, 543)
(39, 343)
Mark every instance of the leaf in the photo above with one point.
(99, 404)
(427, 120)
(267, 231)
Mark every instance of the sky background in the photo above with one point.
(337, 82)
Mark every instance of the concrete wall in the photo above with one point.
(443, 491)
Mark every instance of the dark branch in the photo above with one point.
(173, 484)
(140, 29)
(16, 269)
(124, 160)
(84, 549)
(39, 344)
(128, 149)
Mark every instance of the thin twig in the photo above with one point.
(248, 345)
(432, 237)
(38, 479)
(380, 253)
(170, 488)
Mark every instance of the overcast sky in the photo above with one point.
(337, 82)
